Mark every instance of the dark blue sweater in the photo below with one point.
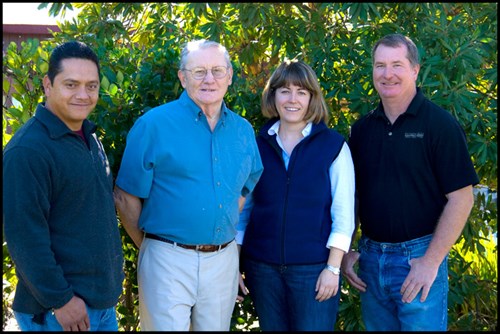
(290, 221)
(59, 217)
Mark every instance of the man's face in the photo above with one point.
(209, 91)
(74, 93)
(393, 74)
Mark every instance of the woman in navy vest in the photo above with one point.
(297, 223)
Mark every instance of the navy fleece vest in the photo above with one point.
(291, 221)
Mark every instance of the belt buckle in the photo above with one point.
(208, 248)
(200, 248)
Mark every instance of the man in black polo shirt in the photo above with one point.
(414, 179)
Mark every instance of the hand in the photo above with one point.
(241, 203)
(242, 291)
(327, 285)
(73, 315)
(420, 277)
(348, 262)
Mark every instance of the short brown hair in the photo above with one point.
(295, 72)
(396, 40)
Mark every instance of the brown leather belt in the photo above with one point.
(200, 248)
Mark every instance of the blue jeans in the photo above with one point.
(100, 320)
(384, 267)
(284, 297)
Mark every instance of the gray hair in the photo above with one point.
(395, 40)
(202, 44)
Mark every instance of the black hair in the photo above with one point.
(72, 49)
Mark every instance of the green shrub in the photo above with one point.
(139, 46)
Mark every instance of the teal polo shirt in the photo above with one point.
(190, 177)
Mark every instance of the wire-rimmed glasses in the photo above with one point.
(199, 73)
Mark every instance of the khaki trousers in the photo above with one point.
(182, 289)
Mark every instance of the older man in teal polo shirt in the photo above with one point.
(186, 166)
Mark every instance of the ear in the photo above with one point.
(230, 75)
(47, 86)
(416, 69)
(182, 78)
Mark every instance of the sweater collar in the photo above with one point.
(56, 127)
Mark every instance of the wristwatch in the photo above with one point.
(334, 270)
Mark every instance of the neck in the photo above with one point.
(291, 130)
(212, 117)
(395, 107)
(291, 135)
(211, 113)
(211, 110)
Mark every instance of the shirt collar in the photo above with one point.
(273, 130)
(412, 108)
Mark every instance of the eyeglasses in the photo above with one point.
(199, 73)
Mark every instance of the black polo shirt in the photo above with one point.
(404, 170)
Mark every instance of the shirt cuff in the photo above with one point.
(239, 237)
(339, 241)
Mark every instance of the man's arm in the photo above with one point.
(129, 209)
(27, 203)
(451, 223)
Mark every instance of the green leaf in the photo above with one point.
(105, 83)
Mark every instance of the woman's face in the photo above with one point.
(292, 103)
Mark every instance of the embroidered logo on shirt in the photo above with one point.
(414, 135)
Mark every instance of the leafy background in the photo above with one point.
(139, 46)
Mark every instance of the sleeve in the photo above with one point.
(257, 167)
(136, 172)
(452, 162)
(26, 208)
(342, 209)
(244, 219)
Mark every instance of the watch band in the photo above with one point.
(334, 270)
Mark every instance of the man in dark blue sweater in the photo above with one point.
(59, 217)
